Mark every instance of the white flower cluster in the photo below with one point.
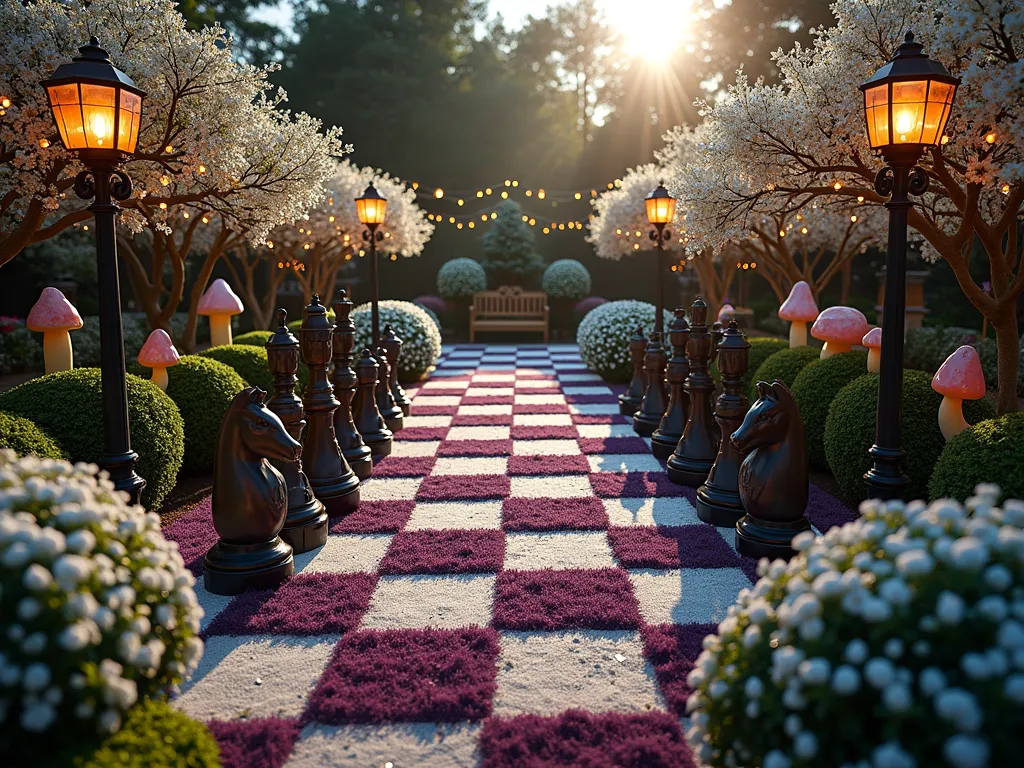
(894, 641)
(621, 226)
(566, 279)
(461, 278)
(98, 608)
(604, 333)
(421, 339)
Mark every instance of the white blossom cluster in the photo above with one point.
(895, 641)
(98, 608)
(461, 278)
(604, 333)
(421, 339)
(566, 279)
(621, 226)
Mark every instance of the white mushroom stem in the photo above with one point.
(57, 353)
(220, 330)
(834, 348)
(797, 334)
(874, 359)
(160, 376)
(951, 417)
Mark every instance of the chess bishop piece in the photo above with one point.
(666, 437)
(356, 452)
(631, 399)
(655, 402)
(392, 414)
(368, 420)
(250, 499)
(718, 500)
(393, 349)
(305, 528)
(333, 480)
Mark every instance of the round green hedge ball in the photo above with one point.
(783, 365)
(989, 452)
(813, 390)
(253, 338)
(249, 362)
(68, 406)
(202, 388)
(850, 431)
(26, 438)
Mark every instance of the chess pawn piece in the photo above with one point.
(393, 349)
(389, 409)
(344, 380)
(696, 452)
(368, 420)
(666, 437)
(773, 479)
(718, 500)
(250, 499)
(305, 528)
(333, 480)
(631, 399)
(655, 402)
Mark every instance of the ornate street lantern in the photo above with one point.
(371, 207)
(661, 206)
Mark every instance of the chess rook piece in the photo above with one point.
(389, 409)
(368, 420)
(655, 402)
(630, 400)
(773, 476)
(666, 437)
(305, 528)
(393, 349)
(696, 452)
(250, 499)
(718, 500)
(344, 380)
(333, 480)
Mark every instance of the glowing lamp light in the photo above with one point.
(371, 207)
(438, 193)
(661, 206)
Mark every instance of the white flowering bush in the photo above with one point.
(421, 339)
(895, 641)
(98, 608)
(603, 336)
(566, 279)
(461, 278)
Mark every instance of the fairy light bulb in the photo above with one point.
(990, 137)
(44, 143)
(438, 193)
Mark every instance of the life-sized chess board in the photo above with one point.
(521, 586)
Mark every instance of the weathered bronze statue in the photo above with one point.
(389, 409)
(369, 422)
(250, 499)
(344, 380)
(773, 476)
(393, 348)
(630, 400)
(655, 402)
(666, 437)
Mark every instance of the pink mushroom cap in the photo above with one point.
(961, 375)
(158, 350)
(799, 306)
(872, 339)
(725, 311)
(840, 325)
(53, 312)
(219, 299)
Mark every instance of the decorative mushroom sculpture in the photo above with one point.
(959, 378)
(54, 316)
(220, 303)
(159, 354)
(799, 308)
(725, 314)
(840, 328)
(873, 341)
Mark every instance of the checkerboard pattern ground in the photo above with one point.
(521, 586)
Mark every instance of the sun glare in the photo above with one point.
(651, 29)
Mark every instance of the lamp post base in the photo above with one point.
(230, 569)
(762, 538)
(885, 479)
(121, 468)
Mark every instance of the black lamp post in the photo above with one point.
(97, 109)
(906, 104)
(371, 207)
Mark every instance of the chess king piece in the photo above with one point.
(696, 452)
(393, 349)
(250, 499)
(333, 480)
(356, 452)
(630, 400)
(305, 528)
(655, 402)
(773, 479)
(666, 437)
(368, 420)
(389, 409)
(718, 500)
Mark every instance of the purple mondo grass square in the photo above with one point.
(436, 410)
(306, 604)
(554, 389)
(195, 535)
(550, 600)
(613, 445)
(383, 516)
(483, 420)
(826, 511)
(455, 448)
(445, 551)
(540, 408)
(686, 546)
(411, 675)
(548, 465)
(591, 399)
(404, 466)
(544, 433)
(464, 487)
(553, 515)
(424, 433)
(672, 650)
(487, 400)
(580, 738)
(264, 742)
(599, 418)
(638, 485)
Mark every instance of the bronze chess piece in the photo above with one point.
(344, 380)
(389, 409)
(630, 400)
(696, 452)
(333, 480)
(718, 500)
(368, 420)
(773, 480)
(393, 349)
(666, 437)
(652, 409)
(250, 499)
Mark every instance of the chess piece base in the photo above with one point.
(719, 508)
(361, 462)
(379, 444)
(762, 538)
(230, 569)
(394, 420)
(629, 405)
(340, 497)
(305, 528)
(663, 446)
(687, 471)
(406, 406)
(645, 425)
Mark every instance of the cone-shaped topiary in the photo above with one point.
(990, 450)
(249, 362)
(461, 278)
(783, 365)
(510, 257)
(202, 388)
(24, 438)
(813, 389)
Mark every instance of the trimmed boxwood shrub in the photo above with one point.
(434, 303)
(249, 362)
(992, 451)
(68, 406)
(202, 388)
(761, 348)
(850, 431)
(783, 365)
(461, 278)
(815, 387)
(24, 438)
(253, 338)
(421, 339)
(566, 279)
(604, 334)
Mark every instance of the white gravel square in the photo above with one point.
(605, 430)
(479, 433)
(540, 400)
(461, 515)
(345, 554)
(545, 448)
(446, 384)
(401, 745)
(542, 420)
(594, 409)
(687, 596)
(492, 378)
(414, 449)
(390, 488)
(428, 421)
(626, 462)
(672, 511)
(552, 487)
(437, 400)
(558, 550)
(485, 465)
(414, 602)
(485, 410)
(490, 392)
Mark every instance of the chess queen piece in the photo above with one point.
(305, 528)
(666, 437)
(333, 480)
(696, 452)
(718, 500)
(631, 399)
(393, 349)
(250, 499)
(368, 420)
(389, 409)
(655, 402)
(773, 479)
(356, 452)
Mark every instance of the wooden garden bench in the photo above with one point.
(509, 308)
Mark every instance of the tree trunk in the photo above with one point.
(1007, 346)
(847, 277)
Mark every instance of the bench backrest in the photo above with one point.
(509, 301)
